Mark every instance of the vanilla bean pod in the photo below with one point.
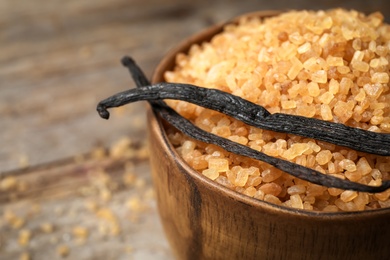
(291, 168)
(191, 130)
(257, 116)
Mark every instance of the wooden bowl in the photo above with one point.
(204, 220)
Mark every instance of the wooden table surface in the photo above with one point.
(57, 60)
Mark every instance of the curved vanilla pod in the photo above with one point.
(185, 126)
(256, 115)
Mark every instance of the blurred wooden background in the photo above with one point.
(59, 58)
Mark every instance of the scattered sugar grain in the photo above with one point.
(361, 200)
(135, 204)
(296, 189)
(259, 195)
(330, 208)
(348, 165)
(376, 174)
(304, 48)
(272, 199)
(326, 112)
(296, 150)
(373, 90)
(24, 237)
(296, 67)
(8, 183)
(111, 224)
(250, 191)
(80, 232)
(361, 66)
(211, 173)
(380, 77)
(129, 178)
(323, 157)
(334, 61)
(238, 139)
(345, 206)
(307, 206)
(383, 196)
(241, 178)
(105, 194)
(270, 174)
(326, 98)
(334, 86)
(129, 249)
(313, 89)
(271, 188)
(296, 201)
(13, 220)
(353, 176)
(221, 165)
(384, 204)
(319, 76)
(25, 256)
(315, 190)
(47, 227)
(140, 183)
(99, 153)
(334, 191)
(254, 181)
(348, 195)
(24, 161)
(224, 181)
(120, 148)
(343, 69)
(288, 104)
(63, 250)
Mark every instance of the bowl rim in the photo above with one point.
(157, 125)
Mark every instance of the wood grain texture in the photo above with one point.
(117, 220)
(57, 60)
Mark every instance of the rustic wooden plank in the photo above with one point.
(58, 59)
(98, 208)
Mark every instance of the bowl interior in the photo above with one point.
(168, 63)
